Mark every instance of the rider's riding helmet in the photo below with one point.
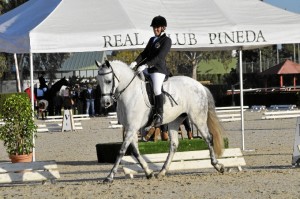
(159, 21)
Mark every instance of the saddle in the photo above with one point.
(150, 92)
(151, 95)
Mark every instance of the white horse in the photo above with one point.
(118, 82)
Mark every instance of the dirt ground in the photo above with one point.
(268, 173)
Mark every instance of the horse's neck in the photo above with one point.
(54, 88)
(126, 78)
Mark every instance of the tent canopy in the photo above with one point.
(286, 67)
(92, 25)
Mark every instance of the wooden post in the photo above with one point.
(281, 80)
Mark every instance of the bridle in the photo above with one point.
(113, 88)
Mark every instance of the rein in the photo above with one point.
(113, 96)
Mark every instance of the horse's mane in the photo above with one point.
(121, 64)
(118, 62)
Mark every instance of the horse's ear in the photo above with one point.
(97, 63)
(107, 63)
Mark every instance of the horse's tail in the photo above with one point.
(214, 126)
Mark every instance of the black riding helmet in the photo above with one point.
(159, 21)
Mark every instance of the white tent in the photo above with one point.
(45, 26)
(92, 25)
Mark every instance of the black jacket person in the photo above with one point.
(152, 61)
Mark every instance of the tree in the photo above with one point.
(3, 65)
(126, 56)
(193, 60)
(6, 5)
(49, 62)
(183, 59)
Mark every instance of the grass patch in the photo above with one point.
(184, 145)
(215, 67)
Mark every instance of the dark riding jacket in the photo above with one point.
(154, 54)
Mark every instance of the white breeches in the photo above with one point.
(158, 80)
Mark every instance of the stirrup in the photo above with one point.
(157, 120)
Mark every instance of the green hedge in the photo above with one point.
(107, 152)
(3, 97)
(184, 145)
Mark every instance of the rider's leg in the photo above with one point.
(188, 128)
(158, 117)
(164, 132)
(158, 79)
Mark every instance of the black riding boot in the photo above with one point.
(158, 116)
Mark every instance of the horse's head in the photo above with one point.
(64, 82)
(108, 83)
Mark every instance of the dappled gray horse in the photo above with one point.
(119, 82)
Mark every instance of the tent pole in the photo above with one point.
(298, 54)
(32, 98)
(242, 98)
(17, 72)
(260, 64)
(295, 60)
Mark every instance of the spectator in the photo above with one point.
(101, 111)
(42, 81)
(67, 100)
(89, 96)
(42, 108)
(187, 126)
(76, 101)
(57, 102)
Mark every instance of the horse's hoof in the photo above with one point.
(107, 180)
(151, 175)
(160, 175)
(220, 168)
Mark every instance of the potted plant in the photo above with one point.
(19, 129)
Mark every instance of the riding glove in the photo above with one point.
(141, 68)
(132, 65)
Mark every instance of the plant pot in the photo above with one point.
(21, 158)
(108, 152)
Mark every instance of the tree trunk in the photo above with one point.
(194, 72)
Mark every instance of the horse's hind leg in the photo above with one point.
(209, 141)
(173, 133)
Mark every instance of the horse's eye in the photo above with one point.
(108, 81)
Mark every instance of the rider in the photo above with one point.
(152, 61)
(42, 81)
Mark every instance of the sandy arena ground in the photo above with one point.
(268, 174)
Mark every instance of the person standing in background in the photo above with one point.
(89, 95)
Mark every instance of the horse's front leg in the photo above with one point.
(127, 141)
(173, 133)
(140, 159)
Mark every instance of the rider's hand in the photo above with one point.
(132, 65)
(141, 68)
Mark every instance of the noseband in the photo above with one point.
(112, 91)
